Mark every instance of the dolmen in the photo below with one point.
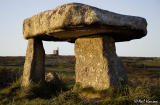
(94, 32)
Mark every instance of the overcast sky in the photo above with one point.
(13, 12)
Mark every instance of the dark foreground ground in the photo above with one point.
(143, 74)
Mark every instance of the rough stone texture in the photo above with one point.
(97, 64)
(74, 20)
(52, 77)
(34, 70)
(95, 32)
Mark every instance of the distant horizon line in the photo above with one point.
(74, 55)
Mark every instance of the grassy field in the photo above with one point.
(143, 74)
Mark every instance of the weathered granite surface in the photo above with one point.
(70, 21)
(52, 77)
(94, 32)
(97, 64)
(34, 70)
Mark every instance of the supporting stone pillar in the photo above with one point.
(97, 64)
(34, 70)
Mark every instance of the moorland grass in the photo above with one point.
(58, 94)
(144, 83)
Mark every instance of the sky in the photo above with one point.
(13, 13)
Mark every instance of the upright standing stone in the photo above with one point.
(97, 64)
(34, 63)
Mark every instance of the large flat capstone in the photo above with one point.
(74, 20)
